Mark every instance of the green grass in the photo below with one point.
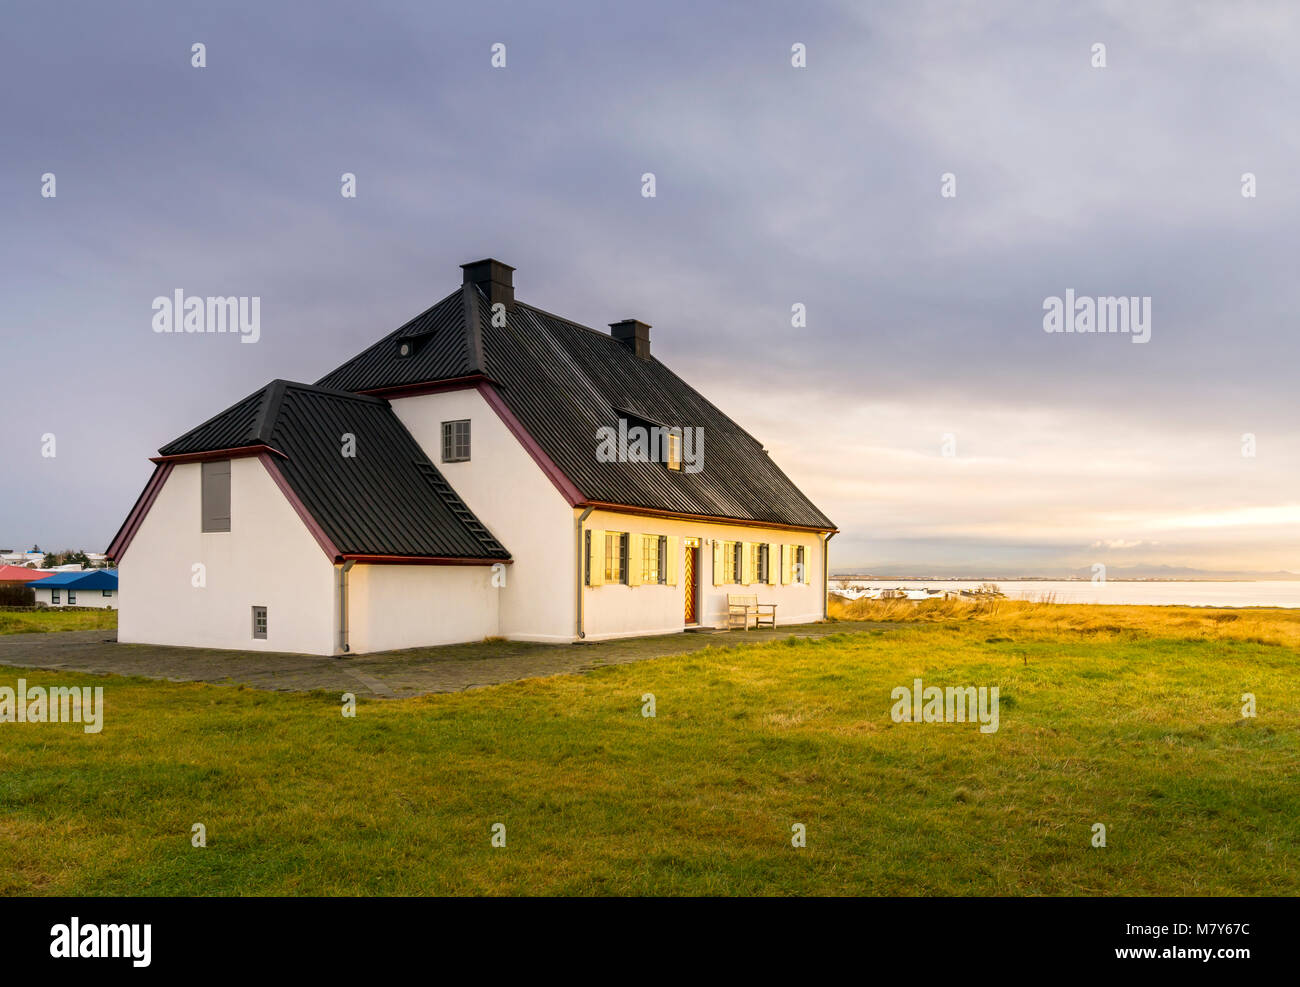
(36, 621)
(1136, 729)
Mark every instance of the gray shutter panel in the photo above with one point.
(216, 495)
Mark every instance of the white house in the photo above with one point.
(78, 588)
(480, 471)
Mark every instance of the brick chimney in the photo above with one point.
(496, 279)
(634, 335)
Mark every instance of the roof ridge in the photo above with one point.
(473, 327)
(336, 392)
(272, 398)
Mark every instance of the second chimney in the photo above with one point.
(496, 279)
(634, 335)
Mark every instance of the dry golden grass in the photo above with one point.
(1252, 625)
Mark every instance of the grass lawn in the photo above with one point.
(35, 621)
(1126, 716)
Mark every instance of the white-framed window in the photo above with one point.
(616, 557)
(259, 623)
(654, 560)
(455, 441)
(762, 557)
(649, 560)
(733, 561)
(800, 572)
(674, 450)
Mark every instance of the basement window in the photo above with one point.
(259, 623)
(455, 441)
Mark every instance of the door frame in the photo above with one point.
(692, 545)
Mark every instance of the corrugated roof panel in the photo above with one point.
(564, 381)
(386, 498)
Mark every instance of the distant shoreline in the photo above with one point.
(1059, 579)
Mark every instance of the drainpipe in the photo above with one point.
(343, 604)
(826, 575)
(581, 520)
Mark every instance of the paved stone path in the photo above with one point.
(389, 674)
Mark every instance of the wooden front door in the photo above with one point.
(692, 568)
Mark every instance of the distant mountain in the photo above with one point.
(1145, 572)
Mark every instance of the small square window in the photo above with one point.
(259, 623)
(455, 441)
(108, 592)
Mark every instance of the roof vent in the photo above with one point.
(634, 335)
(496, 279)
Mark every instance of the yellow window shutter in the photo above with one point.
(634, 559)
(785, 563)
(597, 554)
(772, 563)
(747, 562)
(717, 562)
(670, 566)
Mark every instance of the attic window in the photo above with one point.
(674, 450)
(408, 346)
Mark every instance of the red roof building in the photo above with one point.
(20, 574)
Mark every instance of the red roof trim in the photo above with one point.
(125, 534)
(418, 560)
(562, 483)
(322, 539)
(656, 512)
(238, 452)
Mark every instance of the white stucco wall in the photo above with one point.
(508, 491)
(614, 610)
(85, 598)
(410, 606)
(268, 558)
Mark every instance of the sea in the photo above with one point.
(1265, 593)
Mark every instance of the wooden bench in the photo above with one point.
(740, 608)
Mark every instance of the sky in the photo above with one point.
(922, 406)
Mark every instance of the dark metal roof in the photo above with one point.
(563, 381)
(387, 499)
(441, 351)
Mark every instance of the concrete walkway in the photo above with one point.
(389, 674)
